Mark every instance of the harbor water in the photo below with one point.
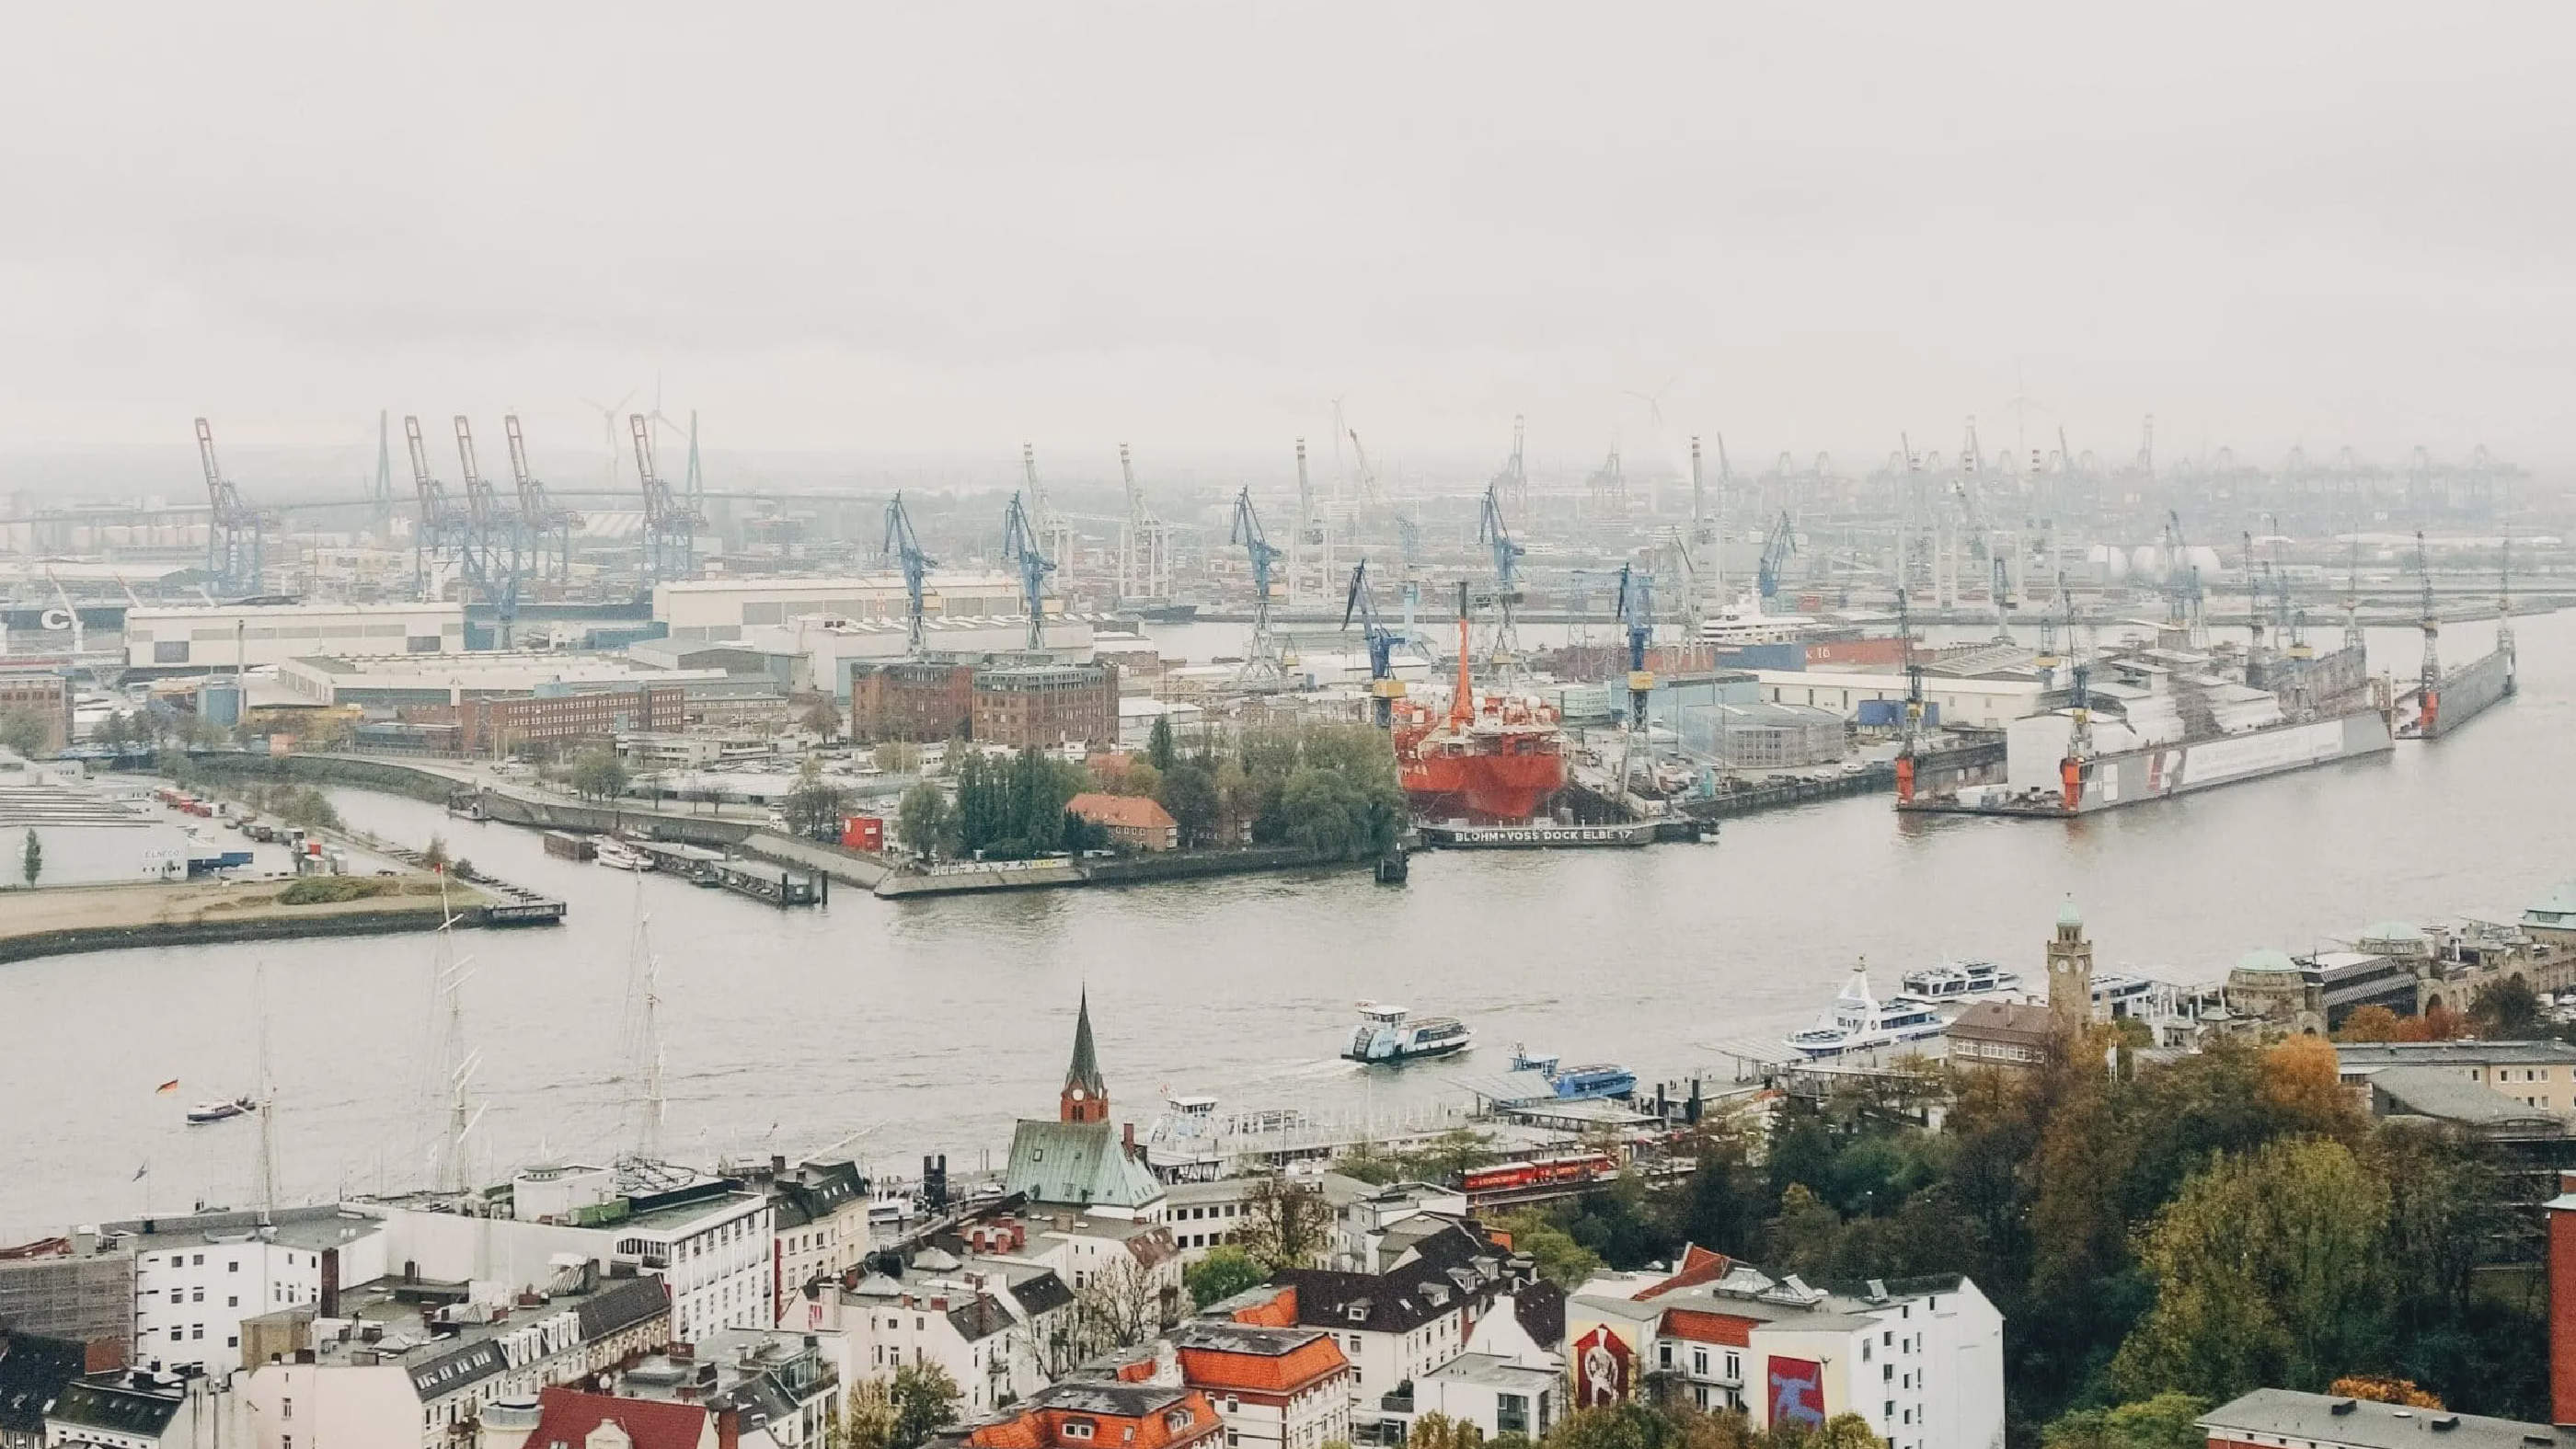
(899, 1029)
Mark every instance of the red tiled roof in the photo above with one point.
(1279, 1311)
(1699, 1265)
(1134, 812)
(566, 1417)
(1308, 1363)
(1699, 1327)
(1041, 1426)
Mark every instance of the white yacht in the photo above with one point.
(618, 855)
(1744, 622)
(1957, 981)
(1859, 1023)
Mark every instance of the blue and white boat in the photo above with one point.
(1860, 1023)
(1577, 1084)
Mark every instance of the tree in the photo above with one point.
(435, 854)
(897, 757)
(1118, 1306)
(1285, 1225)
(1159, 751)
(24, 732)
(2268, 1270)
(867, 1423)
(814, 806)
(1140, 778)
(2369, 1023)
(598, 775)
(1624, 1425)
(2166, 1421)
(922, 821)
(2508, 1010)
(925, 1399)
(2302, 1082)
(1439, 1431)
(1189, 793)
(2383, 1390)
(1326, 814)
(1224, 1272)
(821, 719)
(31, 861)
(1560, 1259)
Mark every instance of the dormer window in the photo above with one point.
(1077, 1428)
(1177, 1421)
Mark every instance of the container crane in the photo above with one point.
(437, 541)
(1384, 688)
(491, 552)
(236, 534)
(905, 549)
(1144, 545)
(1020, 546)
(548, 524)
(2429, 683)
(670, 524)
(1263, 666)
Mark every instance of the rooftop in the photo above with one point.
(2369, 1424)
(2446, 1096)
(2266, 959)
(1494, 1369)
(2358, 1057)
(310, 1229)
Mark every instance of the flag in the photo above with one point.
(167, 1088)
(141, 1172)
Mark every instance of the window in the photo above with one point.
(1077, 1428)
(286, 1408)
(1511, 1413)
(1699, 1361)
(233, 1301)
(1735, 1364)
(1663, 1355)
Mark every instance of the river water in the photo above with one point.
(930, 1025)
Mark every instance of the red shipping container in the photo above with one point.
(863, 832)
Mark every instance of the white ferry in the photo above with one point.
(1390, 1034)
(1743, 622)
(1859, 1023)
(1957, 981)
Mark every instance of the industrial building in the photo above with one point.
(1979, 703)
(923, 700)
(498, 726)
(392, 681)
(1040, 706)
(252, 635)
(1762, 736)
(700, 609)
(85, 839)
(814, 652)
(41, 687)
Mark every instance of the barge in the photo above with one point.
(1537, 836)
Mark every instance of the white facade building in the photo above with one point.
(698, 609)
(196, 1278)
(219, 636)
(1987, 703)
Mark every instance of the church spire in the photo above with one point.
(1086, 1096)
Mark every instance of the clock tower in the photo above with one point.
(1086, 1097)
(2070, 971)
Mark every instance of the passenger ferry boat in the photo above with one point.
(1957, 981)
(1576, 1084)
(1390, 1034)
(1859, 1023)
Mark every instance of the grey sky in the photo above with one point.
(949, 227)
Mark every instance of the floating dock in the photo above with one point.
(1540, 835)
(2465, 693)
(774, 884)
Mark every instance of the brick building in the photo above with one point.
(42, 688)
(1040, 706)
(1133, 821)
(496, 726)
(921, 700)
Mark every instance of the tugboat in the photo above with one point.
(1858, 1023)
(1390, 1034)
(207, 1112)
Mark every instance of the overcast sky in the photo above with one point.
(949, 227)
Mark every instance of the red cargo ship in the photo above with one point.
(1493, 760)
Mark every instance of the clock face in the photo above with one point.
(1077, 1094)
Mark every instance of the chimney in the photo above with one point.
(2562, 1303)
(1129, 1137)
(778, 1164)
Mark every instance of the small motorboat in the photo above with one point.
(206, 1112)
(617, 855)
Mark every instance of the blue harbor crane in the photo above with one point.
(905, 549)
(1384, 688)
(1263, 667)
(1637, 617)
(438, 540)
(1492, 532)
(1776, 548)
(1020, 546)
(491, 553)
(236, 534)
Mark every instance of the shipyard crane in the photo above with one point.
(1910, 743)
(438, 540)
(2051, 624)
(1020, 546)
(1371, 496)
(1507, 552)
(905, 549)
(236, 533)
(2504, 602)
(2182, 598)
(1310, 543)
(2253, 615)
(1408, 538)
(491, 552)
(1384, 688)
(1144, 545)
(548, 524)
(1263, 666)
(1054, 530)
(2429, 684)
(384, 486)
(1637, 618)
(1782, 542)
(2079, 735)
(670, 524)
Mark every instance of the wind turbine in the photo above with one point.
(1673, 456)
(608, 432)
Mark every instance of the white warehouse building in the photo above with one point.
(222, 635)
(1990, 703)
(722, 608)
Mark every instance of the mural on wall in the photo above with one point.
(1797, 1392)
(1601, 1365)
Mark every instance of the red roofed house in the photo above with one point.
(567, 1419)
(1132, 820)
(1275, 1384)
(1087, 1414)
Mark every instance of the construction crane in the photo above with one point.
(1384, 688)
(437, 542)
(491, 552)
(905, 549)
(1020, 546)
(547, 524)
(2048, 660)
(670, 523)
(1782, 542)
(236, 534)
(1910, 742)
(1370, 495)
(1263, 667)
(2429, 683)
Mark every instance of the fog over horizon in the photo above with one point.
(873, 236)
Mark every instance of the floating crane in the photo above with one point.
(1384, 688)
(438, 542)
(2429, 683)
(1263, 667)
(491, 552)
(547, 524)
(905, 549)
(670, 523)
(1020, 546)
(237, 533)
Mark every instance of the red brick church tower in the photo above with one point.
(1086, 1097)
